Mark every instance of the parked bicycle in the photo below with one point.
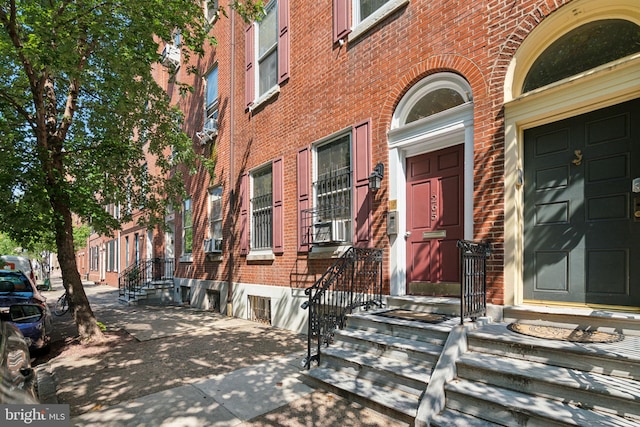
(62, 305)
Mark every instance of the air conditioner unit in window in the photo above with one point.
(212, 246)
(170, 55)
(333, 231)
(209, 131)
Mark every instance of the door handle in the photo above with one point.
(407, 234)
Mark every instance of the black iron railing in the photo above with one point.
(354, 280)
(142, 273)
(473, 277)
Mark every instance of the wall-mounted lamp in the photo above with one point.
(375, 179)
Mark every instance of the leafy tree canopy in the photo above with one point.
(78, 99)
(83, 123)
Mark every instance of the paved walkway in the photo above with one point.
(269, 392)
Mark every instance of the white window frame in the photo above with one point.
(272, 7)
(211, 10)
(187, 206)
(211, 106)
(349, 218)
(359, 27)
(266, 249)
(215, 196)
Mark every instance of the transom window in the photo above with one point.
(434, 102)
(586, 47)
(432, 95)
(267, 54)
(262, 208)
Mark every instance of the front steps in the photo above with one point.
(382, 363)
(503, 378)
(156, 292)
(512, 379)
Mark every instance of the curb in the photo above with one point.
(46, 384)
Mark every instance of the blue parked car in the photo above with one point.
(22, 305)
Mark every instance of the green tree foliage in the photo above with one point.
(80, 114)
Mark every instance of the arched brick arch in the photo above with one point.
(516, 32)
(434, 64)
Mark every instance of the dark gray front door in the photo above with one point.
(581, 237)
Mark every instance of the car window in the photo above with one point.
(14, 282)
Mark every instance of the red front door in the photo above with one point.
(435, 191)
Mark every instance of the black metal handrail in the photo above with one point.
(473, 278)
(142, 273)
(354, 280)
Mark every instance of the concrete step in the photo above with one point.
(417, 331)
(510, 407)
(452, 418)
(620, 359)
(387, 400)
(388, 346)
(618, 396)
(380, 370)
(442, 305)
(627, 323)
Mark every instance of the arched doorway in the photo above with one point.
(430, 184)
(572, 140)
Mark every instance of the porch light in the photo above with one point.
(375, 179)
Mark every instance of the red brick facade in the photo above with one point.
(332, 87)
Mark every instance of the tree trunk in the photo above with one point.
(88, 328)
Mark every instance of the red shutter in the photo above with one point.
(278, 208)
(283, 40)
(249, 72)
(303, 201)
(362, 196)
(244, 214)
(341, 16)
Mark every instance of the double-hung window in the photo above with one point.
(332, 191)
(211, 9)
(214, 244)
(210, 128)
(262, 208)
(187, 228)
(354, 17)
(262, 211)
(267, 53)
(334, 200)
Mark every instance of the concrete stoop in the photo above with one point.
(157, 292)
(482, 374)
(506, 378)
(383, 363)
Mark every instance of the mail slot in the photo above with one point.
(438, 234)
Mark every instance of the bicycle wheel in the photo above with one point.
(62, 305)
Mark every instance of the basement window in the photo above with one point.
(260, 309)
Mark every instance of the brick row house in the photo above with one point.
(513, 123)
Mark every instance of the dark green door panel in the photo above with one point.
(582, 243)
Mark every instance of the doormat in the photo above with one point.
(414, 315)
(565, 334)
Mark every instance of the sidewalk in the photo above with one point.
(187, 367)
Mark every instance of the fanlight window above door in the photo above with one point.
(583, 48)
(434, 102)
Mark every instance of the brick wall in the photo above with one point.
(332, 87)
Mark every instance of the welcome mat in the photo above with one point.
(565, 334)
(414, 315)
